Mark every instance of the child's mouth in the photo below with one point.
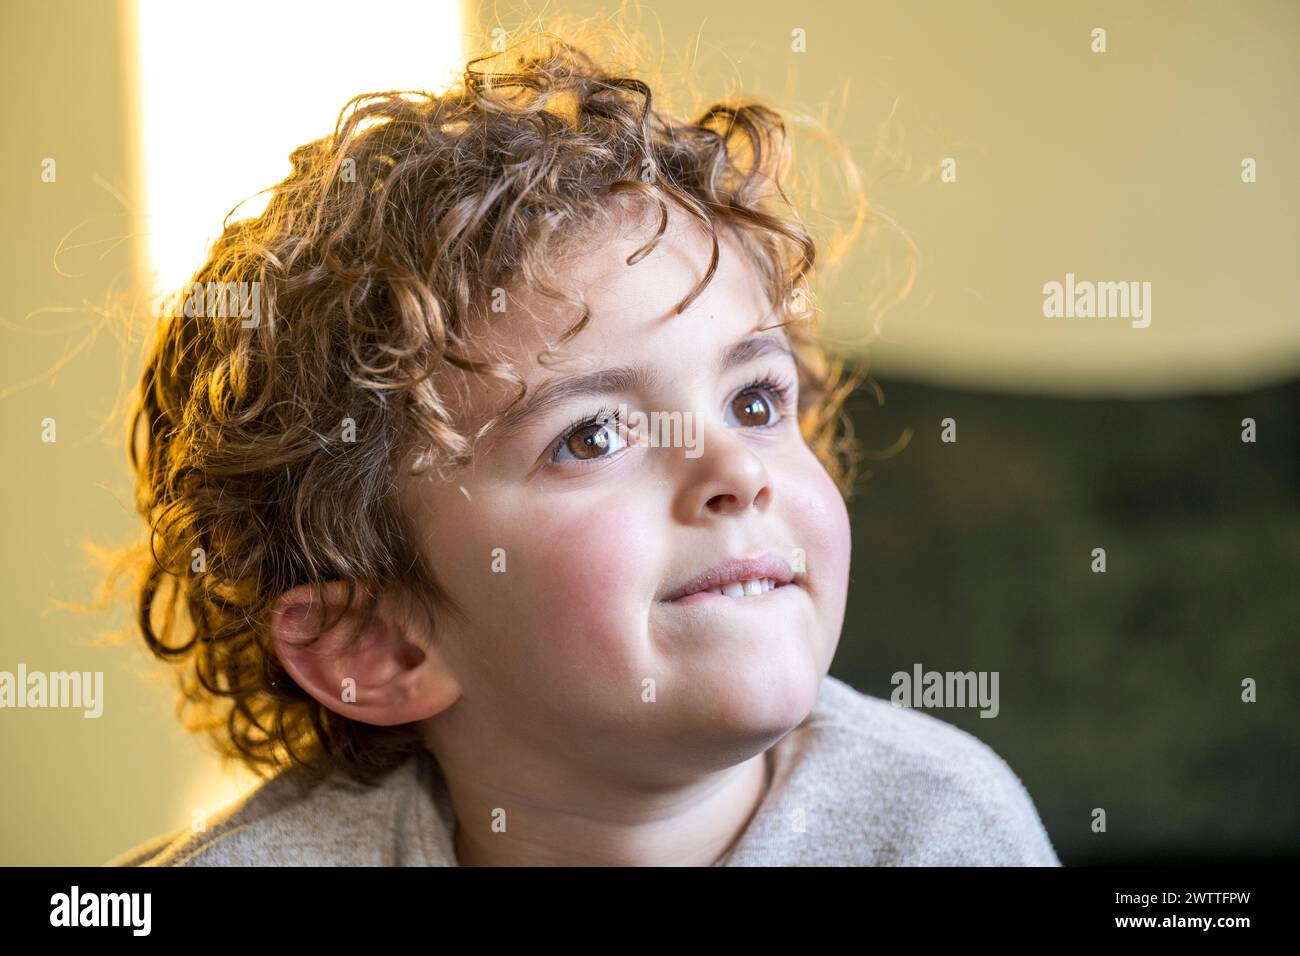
(735, 578)
(752, 588)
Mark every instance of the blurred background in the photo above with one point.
(1001, 147)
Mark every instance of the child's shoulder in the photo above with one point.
(878, 784)
(862, 722)
(334, 821)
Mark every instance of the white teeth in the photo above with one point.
(745, 588)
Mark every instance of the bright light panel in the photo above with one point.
(227, 91)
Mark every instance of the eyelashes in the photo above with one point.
(602, 416)
(781, 387)
(778, 385)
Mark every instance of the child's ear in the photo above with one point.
(367, 665)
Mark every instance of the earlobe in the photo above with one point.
(364, 661)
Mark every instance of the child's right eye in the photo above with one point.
(592, 439)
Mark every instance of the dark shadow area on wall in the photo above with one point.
(1119, 690)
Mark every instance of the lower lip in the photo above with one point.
(704, 597)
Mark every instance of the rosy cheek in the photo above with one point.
(821, 521)
(585, 577)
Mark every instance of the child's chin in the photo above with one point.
(764, 698)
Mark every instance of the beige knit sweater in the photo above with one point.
(860, 782)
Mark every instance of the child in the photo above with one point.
(520, 507)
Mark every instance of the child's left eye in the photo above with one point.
(585, 441)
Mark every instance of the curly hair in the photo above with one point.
(374, 258)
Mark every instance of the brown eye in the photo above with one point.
(589, 442)
(752, 408)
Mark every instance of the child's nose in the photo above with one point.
(728, 478)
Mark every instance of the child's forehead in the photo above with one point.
(631, 305)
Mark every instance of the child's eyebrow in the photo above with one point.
(629, 378)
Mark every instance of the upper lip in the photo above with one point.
(736, 569)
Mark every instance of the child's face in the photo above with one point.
(562, 566)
